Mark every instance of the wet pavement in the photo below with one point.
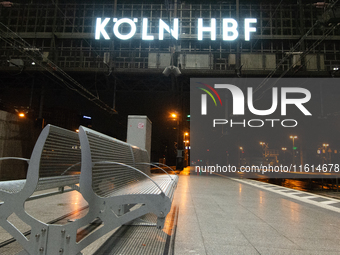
(218, 215)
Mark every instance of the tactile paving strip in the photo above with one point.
(321, 201)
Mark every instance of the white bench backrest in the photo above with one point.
(60, 157)
(141, 156)
(55, 162)
(103, 158)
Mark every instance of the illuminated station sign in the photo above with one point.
(229, 29)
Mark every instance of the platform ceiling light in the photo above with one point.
(21, 112)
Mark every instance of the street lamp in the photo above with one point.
(284, 154)
(293, 137)
(179, 150)
(186, 149)
(239, 156)
(263, 153)
(325, 145)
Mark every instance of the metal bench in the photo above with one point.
(116, 182)
(114, 178)
(54, 163)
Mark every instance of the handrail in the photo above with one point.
(146, 163)
(165, 166)
(24, 159)
(122, 164)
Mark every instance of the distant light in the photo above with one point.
(188, 116)
(319, 151)
(335, 68)
(77, 130)
(33, 63)
(21, 115)
(173, 115)
(87, 117)
(186, 133)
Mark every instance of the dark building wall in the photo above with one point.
(16, 140)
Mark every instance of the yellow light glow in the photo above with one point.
(21, 115)
(77, 130)
(187, 133)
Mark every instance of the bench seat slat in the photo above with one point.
(12, 186)
(44, 183)
(144, 187)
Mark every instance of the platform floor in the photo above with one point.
(218, 215)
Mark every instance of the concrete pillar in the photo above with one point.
(139, 132)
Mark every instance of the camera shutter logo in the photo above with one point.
(204, 97)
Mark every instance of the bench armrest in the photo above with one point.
(151, 164)
(156, 163)
(133, 168)
(70, 167)
(24, 159)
